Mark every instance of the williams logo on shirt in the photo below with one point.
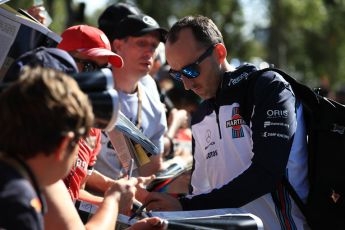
(236, 123)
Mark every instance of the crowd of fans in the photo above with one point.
(70, 161)
(54, 161)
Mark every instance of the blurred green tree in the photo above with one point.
(307, 37)
(64, 13)
(304, 37)
(227, 14)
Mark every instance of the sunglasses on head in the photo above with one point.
(192, 70)
(90, 66)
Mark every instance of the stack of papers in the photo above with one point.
(130, 143)
(124, 125)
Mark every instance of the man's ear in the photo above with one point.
(62, 149)
(221, 52)
(116, 44)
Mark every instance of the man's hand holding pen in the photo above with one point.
(133, 190)
(127, 190)
(155, 202)
(140, 195)
(139, 210)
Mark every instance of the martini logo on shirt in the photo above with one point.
(236, 123)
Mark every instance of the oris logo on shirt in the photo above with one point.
(236, 123)
(276, 113)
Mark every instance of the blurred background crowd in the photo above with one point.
(306, 38)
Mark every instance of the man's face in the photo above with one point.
(63, 160)
(185, 51)
(89, 64)
(138, 52)
(69, 158)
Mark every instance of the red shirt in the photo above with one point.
(87, 155)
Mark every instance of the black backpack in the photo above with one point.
(325, 124)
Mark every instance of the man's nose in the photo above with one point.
(151, 49)
(188, 83)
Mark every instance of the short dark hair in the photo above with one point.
(203, 28)
(39, 109)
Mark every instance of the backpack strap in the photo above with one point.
(300, 90)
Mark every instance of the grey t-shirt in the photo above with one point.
(153, 125)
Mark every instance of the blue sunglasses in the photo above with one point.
(192, 70)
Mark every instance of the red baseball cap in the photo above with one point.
(89, 41)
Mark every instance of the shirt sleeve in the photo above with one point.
(274, 103)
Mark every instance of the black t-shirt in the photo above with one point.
(20, 206)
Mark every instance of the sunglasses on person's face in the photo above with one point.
(90, 66)
(192, 70)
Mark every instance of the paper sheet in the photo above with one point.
(200, 214)
(8, 32)
(196, 213)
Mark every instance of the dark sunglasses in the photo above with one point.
(192, 70)
(90, 66)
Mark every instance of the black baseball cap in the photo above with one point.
(138, 25)
(111, 17)
(53, 58)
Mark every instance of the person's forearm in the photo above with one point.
(98, 182)
(179, 119)
(172, 129)
(253, 183)
(106, 215)
(62, 214)
(90, 198)
(168, 146)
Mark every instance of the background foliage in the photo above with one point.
(306, 37)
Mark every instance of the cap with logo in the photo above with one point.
(110, 18)
(53, 58)
(138, 25)
(89, 41)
